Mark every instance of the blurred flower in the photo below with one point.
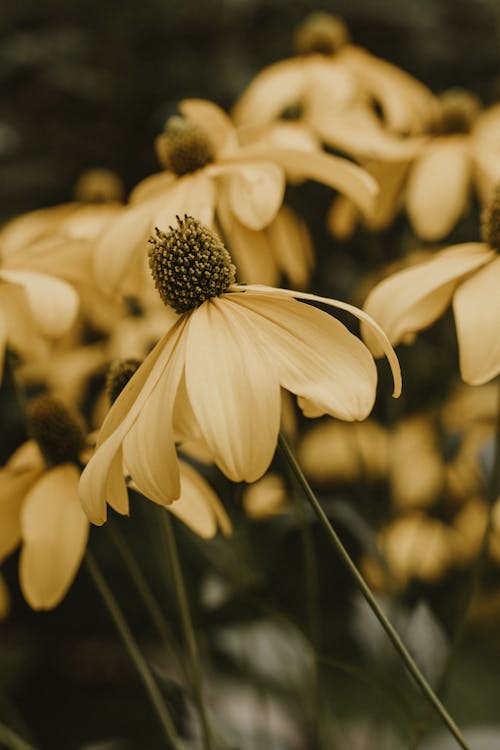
(344, 452)
(467, 275)
(217, 371)
(334, 88)
(435, 182)
(265, 498)
(59, 241)
(40, 508)
(417, 547)
(206, 170)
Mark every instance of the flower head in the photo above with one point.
(467, 275)
(215, 376)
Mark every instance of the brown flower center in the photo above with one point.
(183, 147)
(58, 431)
(491, 221)
(321, 33)
(459, 110)
(118, 375)
(189, 265)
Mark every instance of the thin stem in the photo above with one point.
(134, 652)
(313, 619)
(351, 568)
(187, 625)
(149, 600)
(13, 741)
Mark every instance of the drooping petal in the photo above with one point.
(380, 339)
(53, 303)
(250, 250)
(123, 240)
(438, 187)
(152, 186)
(255, 190)
(102, 478)
(54, 533)
(476, 305)
(411, 300)
(198, 506)
(315, 355)
(338, 173)
(390, 177)
(212, 120)
(291, 246)
(233, 390)
(149, 446)
(359, 133)
(273, 89)
(193, 195)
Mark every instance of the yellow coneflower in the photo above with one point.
(217, 371)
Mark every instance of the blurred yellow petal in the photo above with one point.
(476, 305)
(198, 506)
(194, 195)
(265, 498)
(291, 246)
(315, 355)
(250, 249)
(273, 89)
(54, 531)
(411, 300)
(53, 303)
(255, 190)
(233, 390)
(212, 120)
(342, 217)
(438, 187)
(335, 171)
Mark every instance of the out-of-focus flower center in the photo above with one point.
(491, 221)
(189, 265)
(459, 110)
(321, 33)
(58, 432)
(183, 147)
(118, 375)
(98, 186)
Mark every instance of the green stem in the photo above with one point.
(149, 600)
(134, 652)
(12, 740)
(187, 625)
(351, 568)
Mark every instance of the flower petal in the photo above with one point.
(54, 531)
(212, 120)
(53, 302)
(255, 190)
(102, 479)
(233, 390)
(250, 250)
(273, 89)
(193, 195)
(124, 239)
(371, 326)
(315, 355)
(198, 506)
(476, 305)
(149, 446)
(291, 246)
(438, 187)
(411, 300)
(335, 171)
